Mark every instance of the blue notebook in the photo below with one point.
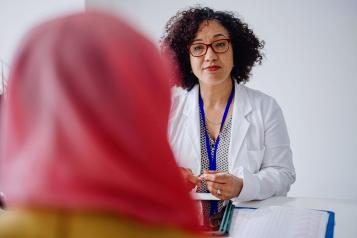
(282, 221)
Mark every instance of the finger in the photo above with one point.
(216, 172)
(189, 170)
(213, 187)
(222, 174)
(186, 173)
(214, 178)
(225, 188)
(193, 179)
(210, 185)
(183, 171)
(216, 190)
(212, 171)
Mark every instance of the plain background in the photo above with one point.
(310, 68)
(18, 16)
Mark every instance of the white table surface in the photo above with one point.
(345, 211)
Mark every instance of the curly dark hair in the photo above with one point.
(181, 29)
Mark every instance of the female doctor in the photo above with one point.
(230, 137)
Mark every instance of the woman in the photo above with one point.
(80, 156)
(231, 137)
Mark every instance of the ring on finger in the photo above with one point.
(219, 192)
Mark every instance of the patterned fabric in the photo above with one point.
(221, 163)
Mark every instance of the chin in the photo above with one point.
(212, 81)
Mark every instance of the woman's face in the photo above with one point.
(212, 68)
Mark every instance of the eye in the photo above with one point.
(220, 44)
(197, 47)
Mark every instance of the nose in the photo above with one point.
(210, 54)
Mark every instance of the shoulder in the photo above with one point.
(178, 93)
(254, 95)
(258, 99)
(263, 106)
(178, 97)
(183, 99)
(178, 107)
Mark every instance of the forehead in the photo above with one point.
(209, 29)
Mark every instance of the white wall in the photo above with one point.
(17, 16)
(310, 68)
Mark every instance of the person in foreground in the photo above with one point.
(84, 136)
(230, 140)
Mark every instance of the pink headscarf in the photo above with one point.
(85, 123)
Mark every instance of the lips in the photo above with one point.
(212, 68)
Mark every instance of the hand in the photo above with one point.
(222, 185)
(191, 180)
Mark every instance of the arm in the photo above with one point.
(277, 171)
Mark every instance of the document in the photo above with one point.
(281, 222)
(203, 196)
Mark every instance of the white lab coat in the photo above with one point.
(259, 150)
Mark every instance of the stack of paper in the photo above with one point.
(279, 221)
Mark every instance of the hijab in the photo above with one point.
(85, 123)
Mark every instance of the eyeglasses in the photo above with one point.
(218, 46)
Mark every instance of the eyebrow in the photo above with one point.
(215, 36)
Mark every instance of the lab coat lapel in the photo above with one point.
(191, 111)
(240, 124)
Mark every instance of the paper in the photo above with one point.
(203, 196)
(279, 222)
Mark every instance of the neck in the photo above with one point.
(214, 96)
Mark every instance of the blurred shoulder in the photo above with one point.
(178, 92)
(178, 96)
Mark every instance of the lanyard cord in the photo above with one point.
(212, 159)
